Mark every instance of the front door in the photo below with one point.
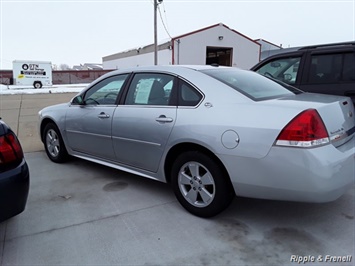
(92, 135)
(89, 125)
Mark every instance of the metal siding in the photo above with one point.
(191, 50)
(193, 47)
(164, 58)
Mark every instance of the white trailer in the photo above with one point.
(32, 73)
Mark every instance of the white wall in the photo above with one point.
(164, 58)
(192, 48)
(266, 46)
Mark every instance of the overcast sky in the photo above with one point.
(73, 32)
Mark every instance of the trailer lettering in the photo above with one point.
(36, 73)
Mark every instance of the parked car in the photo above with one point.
(327, 68)
(14, 174)
(212, 132)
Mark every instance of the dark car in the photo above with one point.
(14, 174)
(326, 68)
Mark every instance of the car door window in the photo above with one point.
(349, 67)
(325, 68)
(106, 91)
(284, 69)
(188, 96)
(150, 89)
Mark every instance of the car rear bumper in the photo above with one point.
(14, 187)
(320, 174)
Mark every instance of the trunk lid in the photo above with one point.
(337, 113)
(339, 120)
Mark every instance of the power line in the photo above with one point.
(162, 21)
(166, 18)
(161, 17)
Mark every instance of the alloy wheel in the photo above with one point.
(52, 142)
(196, 184)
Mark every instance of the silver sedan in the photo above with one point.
(212, 132)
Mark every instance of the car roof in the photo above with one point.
(328, 45)
(167, 67)
(292, 50)
(295, 51)
(176, 69)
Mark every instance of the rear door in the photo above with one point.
(330, 72)
(142, 125)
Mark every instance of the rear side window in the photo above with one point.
(250, 83)
(283, 69)
(332, 68)
(188, 96)
(349, 67)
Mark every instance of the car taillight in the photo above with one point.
(10, 149)
(305, 130)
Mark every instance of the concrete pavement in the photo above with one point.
(81, 213)
(20, 112)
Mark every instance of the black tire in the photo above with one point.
(205, 193)
(37, 84)
(53, 144)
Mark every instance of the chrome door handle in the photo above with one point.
(164, 119)
(103, 115)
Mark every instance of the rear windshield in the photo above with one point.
(251, 84)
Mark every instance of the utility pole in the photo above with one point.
(156, 3)
(155, 33)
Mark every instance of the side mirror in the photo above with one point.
(78, 100)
